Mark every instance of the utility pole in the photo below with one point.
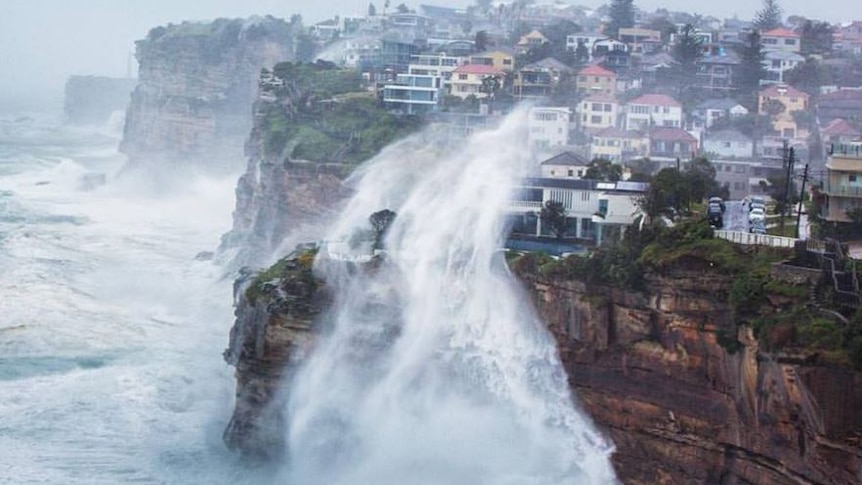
(801, 197)
(791, 158)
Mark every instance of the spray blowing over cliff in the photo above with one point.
(434, 367)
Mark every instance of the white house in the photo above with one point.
(591, 206)
(598, 111)
(413, 94)
(728, 144)
(778, 62)
(588, 39)
(567, 165)
(708, 112)
(650, 110)
(781, 39)
(549, 127)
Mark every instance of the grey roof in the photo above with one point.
(783, 56)
(567, 158)
(728, 135)
(728, 57)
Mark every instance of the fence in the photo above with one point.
(749, 238)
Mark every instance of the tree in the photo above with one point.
(553, 218)
(699, 176)
(380, 222)
(665, 195)
(768, 17)
(687, 52)
(372, 10)
(582, 53)
(773, 107)
(641, 169)
(401, 8)
(747, 77)
(622, 13)
(816, 38)
(481, 40)
(663, 25)
(306, 48)
(809, 76)
(484, 5)
(605, 170)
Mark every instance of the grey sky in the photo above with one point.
(44, 41)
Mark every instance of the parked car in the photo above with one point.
(715, 212)
(758, 226)
(756, 201)
(757, 214)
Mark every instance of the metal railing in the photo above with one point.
(748, 238)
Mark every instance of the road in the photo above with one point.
(735, 216)
(736, 219)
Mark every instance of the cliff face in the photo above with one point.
(92, 99)
(196, 86)
(274, 327)
(312, 125)
(685, 394)
(652, 370)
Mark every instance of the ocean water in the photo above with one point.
(111, 332)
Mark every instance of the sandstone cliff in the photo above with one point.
(684, 406)
(686, 393)
(312, 125)
(196, 86)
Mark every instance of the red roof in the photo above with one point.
(656, 100)
(840, 127)
(783, 90)
(780, 32)
(595, 70)
(671, 134)
(477, 69)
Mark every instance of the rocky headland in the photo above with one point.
(695, 376)
(197, 82)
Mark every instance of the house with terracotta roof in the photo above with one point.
(839, 131)
(467, 80)
(598, 111)
(651, 110)
(791, 100)
(619, 146)
(781, 39)
(596, 79)
(671, 142)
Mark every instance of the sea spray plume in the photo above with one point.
(435, 369)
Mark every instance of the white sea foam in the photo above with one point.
(436, 369)
(110, 333)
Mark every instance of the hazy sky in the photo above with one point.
(44, 41)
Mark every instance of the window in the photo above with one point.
(595, 120)
(776, 64)
(789, 41)
(507, 62)
(851, 178)
(727, 168)
(596, 79)
(726, 144)
(665, 110)
(582, 79)
(571, 173)
(607, 107)
(462, 77)
(597, 106)
(740, 168)
(738, 186)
